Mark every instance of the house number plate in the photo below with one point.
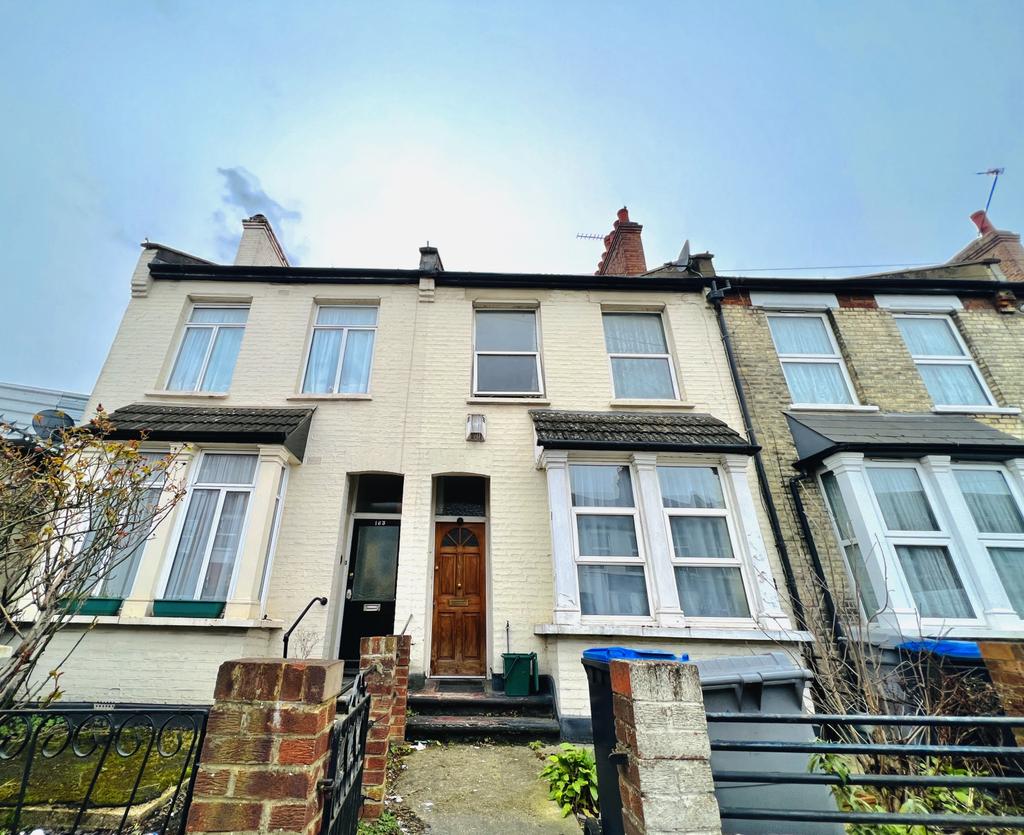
(459, 601)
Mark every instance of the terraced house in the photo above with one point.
(889, 411)
(483, 461)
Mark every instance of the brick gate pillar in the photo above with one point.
(267, 743)
(666, 783)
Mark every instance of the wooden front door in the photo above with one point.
(458, 634)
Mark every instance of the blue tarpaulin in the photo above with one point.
(950, 649)
(607, 654)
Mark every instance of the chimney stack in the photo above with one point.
(259, 246)
(994, 243)
(623, 248)
(430, 260)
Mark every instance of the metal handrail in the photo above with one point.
(868, 719)
(288, 633)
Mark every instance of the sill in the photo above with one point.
(827, 407)
(526, 400)
(201, 395)
(109, 606)
(300, 397)
(976, 410)
(633, 403)
(221, 623)
(627, 630)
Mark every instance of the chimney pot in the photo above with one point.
(430, 260)
(623, 214)
(981, 220)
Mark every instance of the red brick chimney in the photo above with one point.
(994, 243)
(623, 249)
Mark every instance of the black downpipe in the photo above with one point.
(715, 296)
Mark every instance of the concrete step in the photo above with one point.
(445, 727)
(433, 703)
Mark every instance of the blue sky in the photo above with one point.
(773, 134)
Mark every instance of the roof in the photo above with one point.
(225, 424)
(19, 404)
(819, 435)
(656, 431)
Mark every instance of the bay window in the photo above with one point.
(639, 356)
(209, 348)
(811, 362)
(213, 528)
(609, 558)
(943, 361)
(850, 546)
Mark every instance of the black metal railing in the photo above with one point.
(100, 771)
(342, 786)
(1003, 763)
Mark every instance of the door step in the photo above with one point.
(480, 704)
(445, 726)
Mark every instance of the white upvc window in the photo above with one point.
(995, 506)
(943, 361)
(811, 361)
(607, 541)
(641, 363)
(215, 521)
(340, 354)
(923, 548)
(708, 570)
(209, 348)
(843, 526)
(506, 353)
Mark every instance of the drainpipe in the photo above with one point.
(715, 296)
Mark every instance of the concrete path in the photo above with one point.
(480, 789)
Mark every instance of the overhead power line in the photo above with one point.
(831, 267)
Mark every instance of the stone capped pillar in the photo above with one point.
(666, 783)
(266, 748)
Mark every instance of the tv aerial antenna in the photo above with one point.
(586, 236)
(994, 174)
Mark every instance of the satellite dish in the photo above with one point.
(49, 422)
(684, 255)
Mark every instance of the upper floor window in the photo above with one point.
(209, 348)
(707, 569)
(811, 362)
(506, 354)
(639, 355)
(610, 564)
(942, 359)
(341, 351)
(214, 526)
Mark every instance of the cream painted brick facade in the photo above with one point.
(413, 424)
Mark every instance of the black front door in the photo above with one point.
(370, 587)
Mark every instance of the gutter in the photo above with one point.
(654, 446)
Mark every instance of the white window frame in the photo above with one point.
(193, 484)
(835, 358)
(941, 538)
(640, 560)
(667, 356)
(964, 359)
(846, 540)
(736, 561)
(215, 327)
(535, 354)
(341, 348)
(268, 559)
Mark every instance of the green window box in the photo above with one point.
(93, 606)
(188, 608)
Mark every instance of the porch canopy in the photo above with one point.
(638, 431)
(819, 435)
(213, 424)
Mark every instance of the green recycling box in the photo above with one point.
(521, 674)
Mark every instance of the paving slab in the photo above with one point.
(480, 789)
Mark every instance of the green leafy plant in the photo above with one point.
(386, 824)
(572, 780)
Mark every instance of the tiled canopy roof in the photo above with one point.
(668, 431)
(289, 427)
(820, 435)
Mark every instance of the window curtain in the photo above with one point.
(607, 536)
(800, 335)
(711, 592)
(816, 382)
(221, 367)
(1009, 564)
(601, 486)
(690, 487)
(700, 536)
(952, 385)
(225, 547)
(642, 378)
(184, 578)
(190, 359)
(219, 315)
(351, 316)
(990, 501)
(125, 560)
(934, 582)
(929, 338)
(612, 590)
(227, 469)
(634, 333)
(902, 499)
(835, 501)
(355, 369)
(865, 589)
(323, 361)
